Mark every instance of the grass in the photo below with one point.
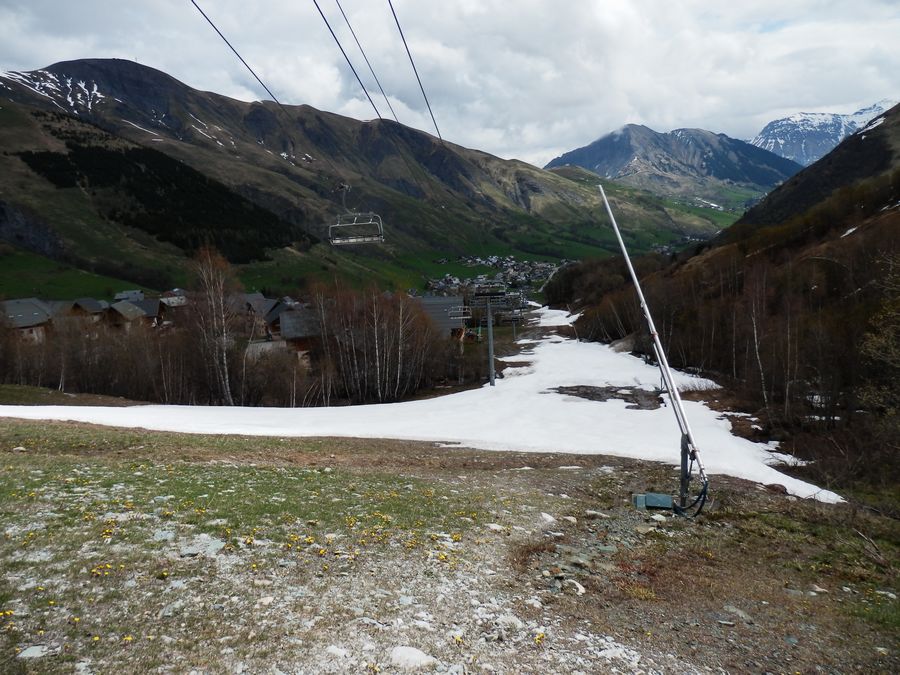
(24, 274)
(97, 521)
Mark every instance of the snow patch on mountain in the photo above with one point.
(805, 137)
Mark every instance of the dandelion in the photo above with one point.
(539, 639)
(96, 638)
(127, 638)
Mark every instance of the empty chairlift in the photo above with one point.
(355, 227)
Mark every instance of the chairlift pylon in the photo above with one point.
(355, 227)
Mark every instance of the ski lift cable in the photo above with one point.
(247, 65)
(347, 59)
(415, 70)
(409, 167)
(368, 63)
(690, 453)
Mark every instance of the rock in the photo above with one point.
(645, 529)
(410, 658)
(36, 652)
(818, 589)
(547, 519)
(337, 652)
(494, 527)
(607, 548)
(406, 600)
(739, 613)
(19, 448)
(723, 622)
(593, 515)
(570, 519)
(777, 488)
(887, 594)
(262, 582)
(579, 589)
(659, 518)
(509, 622)
(266, 601)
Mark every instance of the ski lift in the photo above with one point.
(460, 312)
(355, 227)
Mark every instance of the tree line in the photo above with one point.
(371, 347)
(801, 320)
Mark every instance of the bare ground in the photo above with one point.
(143, 552)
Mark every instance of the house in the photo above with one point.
(124, 314)
(300, 330)
(29, 317)
(154, 310)
(440, 309)
(89, 308)
(129, 296)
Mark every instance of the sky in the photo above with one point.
(539, 419)
(529, 79)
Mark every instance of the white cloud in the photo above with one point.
(528, 80)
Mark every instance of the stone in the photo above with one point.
(739, 613)
(337, 652)
(579, 589)
(593, 515)
(659, 518)
(494, 527)
(411, 658)
(509, 622)
(35, 652)
(266, 601)
(19, 448)
(645, 529)
(570, 519)
(547, 519)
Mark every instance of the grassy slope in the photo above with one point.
(567, 219)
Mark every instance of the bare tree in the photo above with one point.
(215, 318)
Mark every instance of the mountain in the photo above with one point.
(685, 163)
(871, 154)
(72, 127)
(796, 307)
(805, 137)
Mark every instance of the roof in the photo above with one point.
(26, 312)
(299, 323)
(130, 296)
(150, 307)
(128, 310)
(438, 307)
(91, 306)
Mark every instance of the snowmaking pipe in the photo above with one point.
(689, 450)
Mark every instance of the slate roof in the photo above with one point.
(91, 306)
(299, 323)
(26, 312)
(150, 307)
(128, 310)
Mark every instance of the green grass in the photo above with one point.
(24, 274)
(96, 523)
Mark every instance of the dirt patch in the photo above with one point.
(637, 398)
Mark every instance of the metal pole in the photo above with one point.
(490, 327)
(688, 446)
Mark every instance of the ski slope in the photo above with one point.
(520, 413)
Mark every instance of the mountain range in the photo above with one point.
(805, 137)
(687, 163)
(90, 150)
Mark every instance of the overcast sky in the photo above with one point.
(526, 78)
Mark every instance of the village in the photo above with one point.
(521, 274)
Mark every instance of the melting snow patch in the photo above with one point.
(849, 232)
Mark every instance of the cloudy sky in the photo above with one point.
(527, 79)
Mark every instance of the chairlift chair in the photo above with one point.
(460, 312)
(354, 227)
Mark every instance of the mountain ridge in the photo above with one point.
(691, 163)
(806, 137)
(437, 198)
